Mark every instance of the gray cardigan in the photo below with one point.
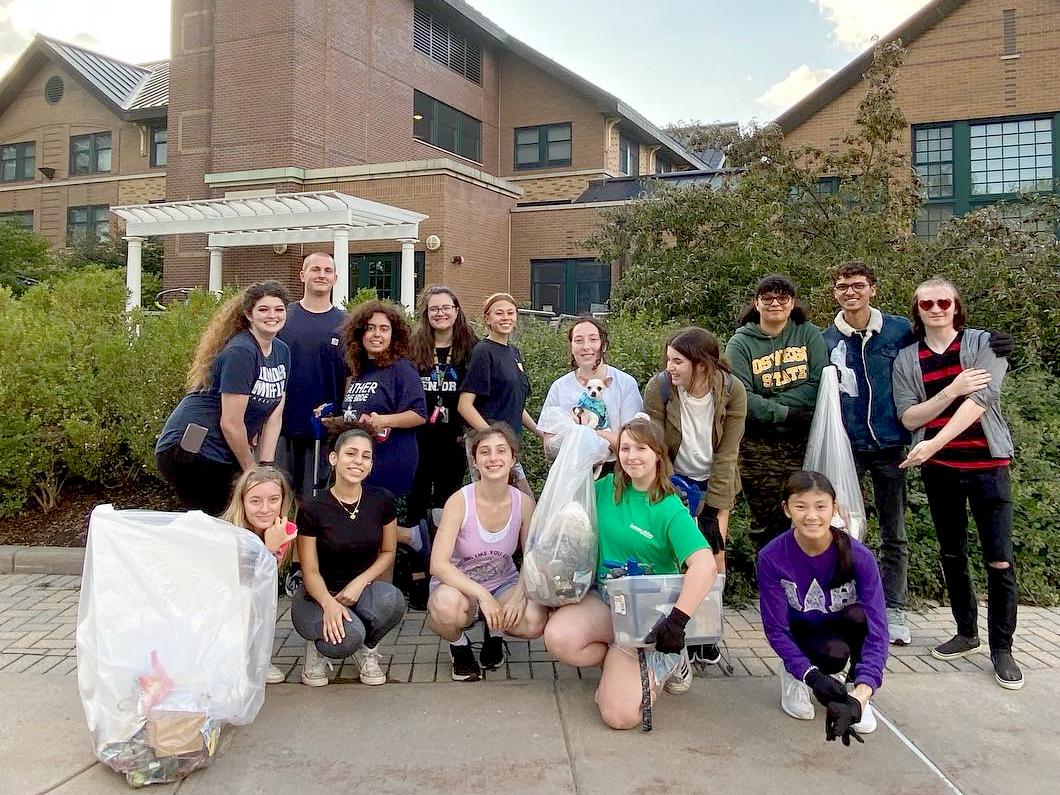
(975, 353)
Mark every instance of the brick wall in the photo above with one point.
(550, 233)
(954, 71)
(559, 187)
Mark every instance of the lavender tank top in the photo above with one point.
(483, 556)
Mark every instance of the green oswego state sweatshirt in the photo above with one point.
(780, 372)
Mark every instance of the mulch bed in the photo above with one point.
(66, 525)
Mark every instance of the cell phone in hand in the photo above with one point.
(194, 436)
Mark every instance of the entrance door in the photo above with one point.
(382, 273)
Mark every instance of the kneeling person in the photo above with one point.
(474, 573)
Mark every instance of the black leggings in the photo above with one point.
(439, 475)
(830, 643)
(201, 484)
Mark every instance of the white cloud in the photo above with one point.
(801, 81)
(130, 30)
(857, 21)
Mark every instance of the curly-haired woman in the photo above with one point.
(384, 392)
(230, 419)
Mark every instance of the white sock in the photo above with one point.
(461, 641)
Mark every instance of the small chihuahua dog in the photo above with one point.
(591, 409)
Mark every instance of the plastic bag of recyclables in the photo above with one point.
(174, 632)
(828, 452)
(559, 564)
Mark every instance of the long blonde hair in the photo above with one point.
(236, 513)
(230, 319)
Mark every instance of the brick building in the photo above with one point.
(421, 104)
(978, 90)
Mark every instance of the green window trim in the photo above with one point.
(543, 146)
(87, 222)
(382, 272)
(159, 145)
(569, 286)
(18, 161)
(24, 219)
(90, 154)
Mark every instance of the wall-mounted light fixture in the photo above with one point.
(458, 260)
(47, 171)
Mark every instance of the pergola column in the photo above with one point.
(215, 280)
(408, 273)
(341, 255)
(133, 270)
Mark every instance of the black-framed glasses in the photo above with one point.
(857, 287)
(779, 300)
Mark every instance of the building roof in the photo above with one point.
(619, 189)
(607, 103)
(132, 92)
(851, 74)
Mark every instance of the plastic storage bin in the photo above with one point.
(637, 603)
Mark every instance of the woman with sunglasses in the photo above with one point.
(779, 356)
(947, 389)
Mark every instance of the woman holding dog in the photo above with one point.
(701, 407)
(605, 397)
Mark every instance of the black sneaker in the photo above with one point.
(1006, 671)
(492, 654)
(465, 667)
(957, 646)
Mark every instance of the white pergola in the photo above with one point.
(270, 220)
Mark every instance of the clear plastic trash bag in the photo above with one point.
(828, 452)
(559, 562)
(175, 629)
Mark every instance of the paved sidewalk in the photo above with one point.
(38, 615)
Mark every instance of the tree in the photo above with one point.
(25, 258)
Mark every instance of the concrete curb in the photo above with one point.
(41, 560)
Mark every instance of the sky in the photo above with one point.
(671, 60)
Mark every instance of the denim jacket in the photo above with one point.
(870, 417)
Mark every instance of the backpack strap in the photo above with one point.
(664, 389)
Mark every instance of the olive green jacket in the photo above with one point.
(730, 412)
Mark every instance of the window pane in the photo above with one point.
(559, 132)
(527, 155)
(559, 151)
(1013, 157)
(103, 160)
(527, 136)
(8, 172)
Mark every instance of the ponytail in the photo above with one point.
(844, 565)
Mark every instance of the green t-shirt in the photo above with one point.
(661, 535)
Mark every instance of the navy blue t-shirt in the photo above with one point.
(318, 369)
(498, 379)
(239, 369)
(390, 390)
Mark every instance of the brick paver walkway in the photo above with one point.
(38, 616)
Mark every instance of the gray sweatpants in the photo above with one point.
(378, 611)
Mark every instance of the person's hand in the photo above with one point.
(799, 418)
(826, 689)
(668, 634)
(1002, 344)
(492, 613)
(377, 422)
(920, 453)
(349, 595)
(512, 608)
(842, 715)
(334, 615)
(276, 535)
(969, 381)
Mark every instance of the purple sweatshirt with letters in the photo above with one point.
(792, 584)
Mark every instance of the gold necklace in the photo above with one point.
(351, 511)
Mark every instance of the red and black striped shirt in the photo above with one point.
(969, 450)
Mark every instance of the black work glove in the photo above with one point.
(799, 418)
(668, 634)
(1002, 344)
(841, 719)
(827, 689)
(708, 519)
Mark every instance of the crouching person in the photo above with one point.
(347, 540)
(640, 518)
(471, 562)
(822, 608)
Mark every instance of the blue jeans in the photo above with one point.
(378, 611)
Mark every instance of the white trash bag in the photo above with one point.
(559, 562)
(828, 452)
(175, 630)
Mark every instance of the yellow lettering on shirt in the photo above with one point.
(782, 368)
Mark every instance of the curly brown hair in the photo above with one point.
(353, 329)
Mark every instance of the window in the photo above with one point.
(88, 223)
(17, 161)
(1012, 156)
(663, 164)
(158, 146)
(543, 147)
(931, 217)
(22, 218)
(444, 126)
(381, 272)
(628, 156)
(440, 41)
(90, 154)
(569, 286)
(933, 158)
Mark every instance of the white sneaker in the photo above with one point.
(274, 676)
(316, 666)
(368, 663)
(681, 679)
(795, 697)
(896, 627)
(867, 724)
